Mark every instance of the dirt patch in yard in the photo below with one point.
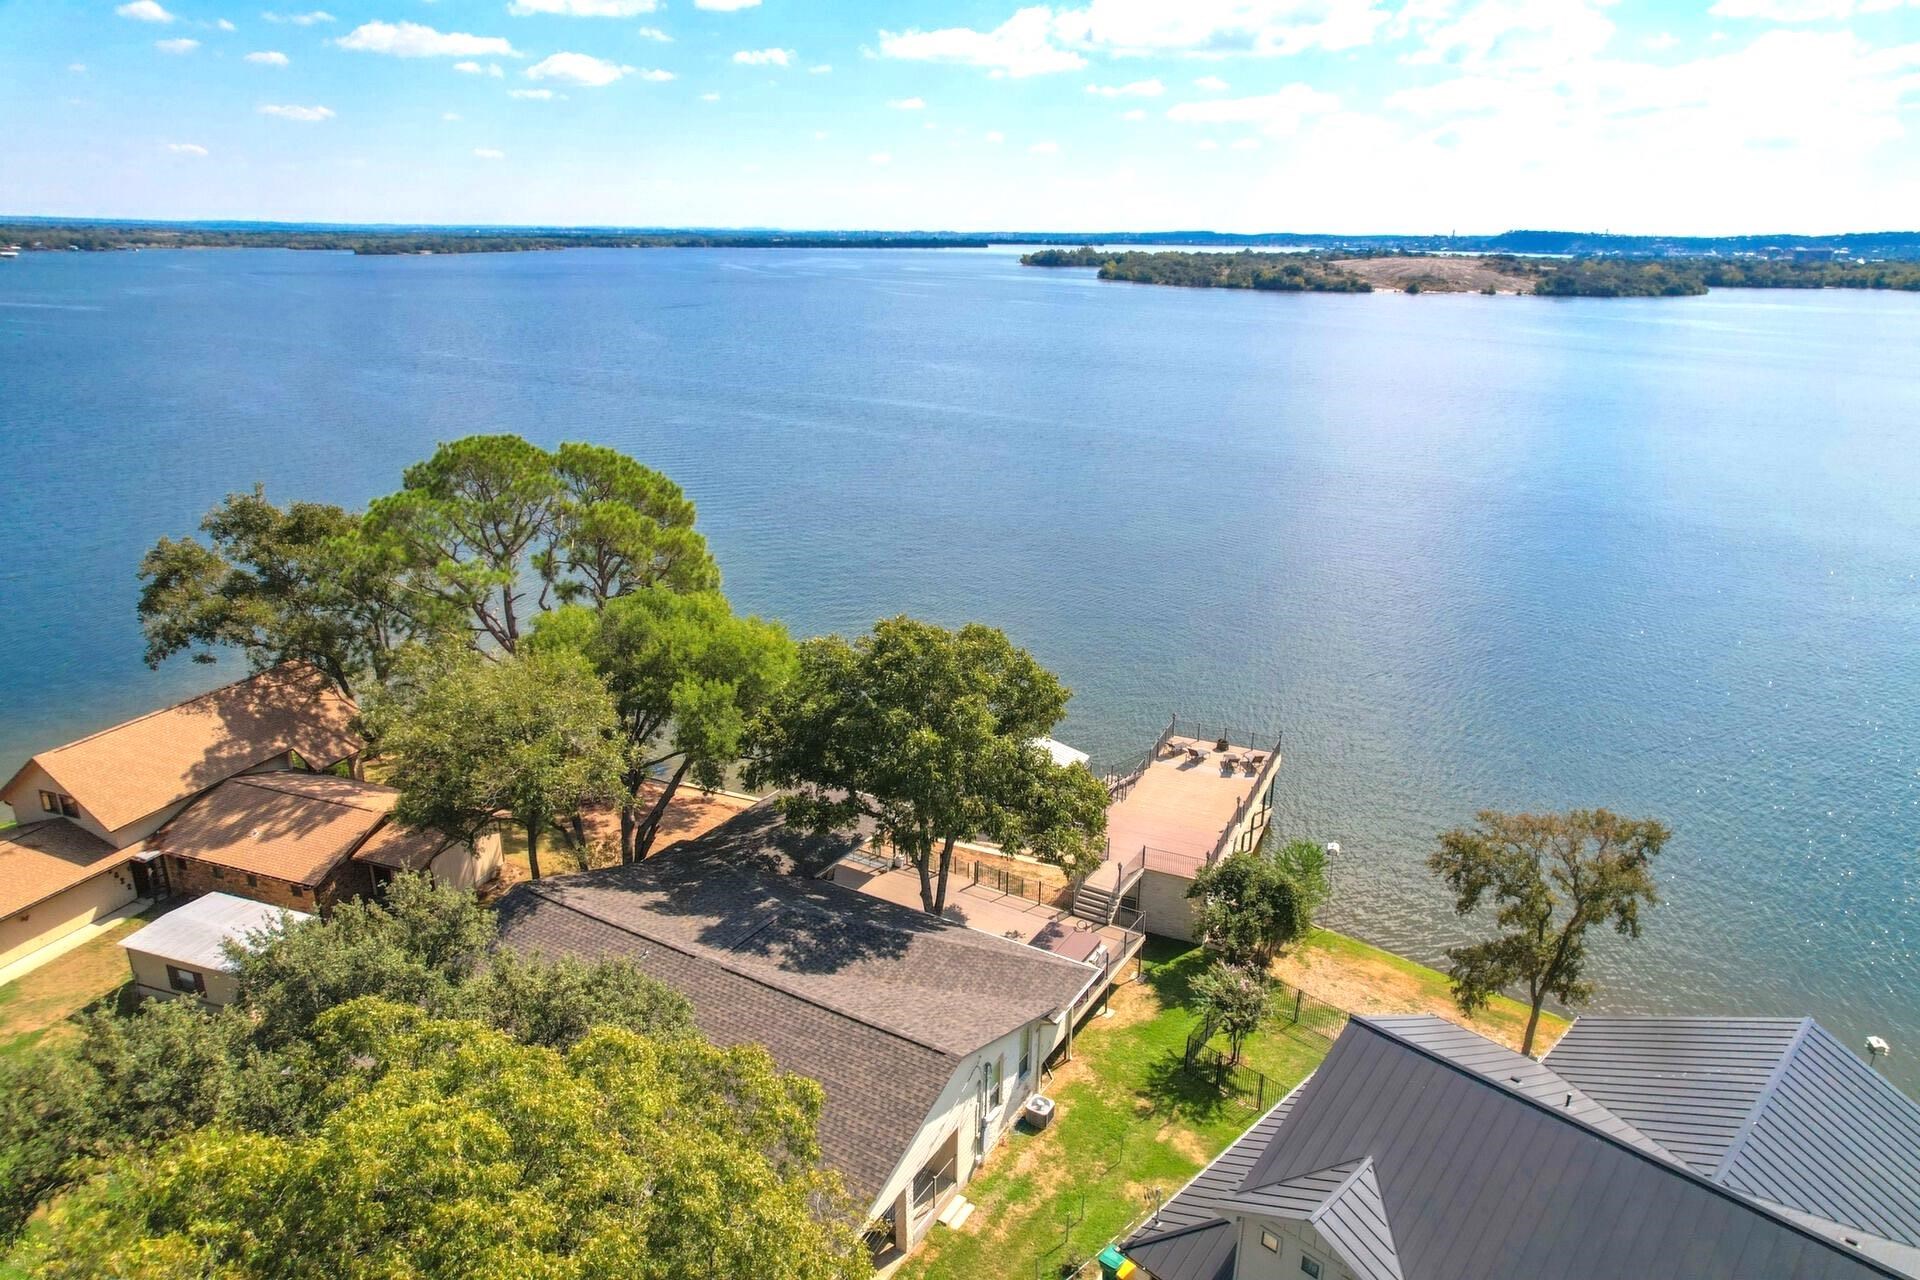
(1440, 274)
(1353, 976)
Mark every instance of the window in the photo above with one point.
(991, 1083)
(1026, 1051)
(187, 981)
(1310, 1265)
(1270, 1242)
(253, 881)
(299, 890)
(219, 873)
(179, 862)
(54, 802)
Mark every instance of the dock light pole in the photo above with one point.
(1333, 853)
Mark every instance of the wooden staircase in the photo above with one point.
(1097, 897)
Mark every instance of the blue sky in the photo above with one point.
(1311, 115)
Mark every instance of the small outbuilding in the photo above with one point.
(184, 952)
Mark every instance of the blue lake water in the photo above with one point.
(1658, 555)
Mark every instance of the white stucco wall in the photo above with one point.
(467, 866)
(1164, 907)
(150, 973)
(957, 1111)
(49, 921)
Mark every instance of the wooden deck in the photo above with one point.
(1179, 808)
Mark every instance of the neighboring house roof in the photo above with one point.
(40, 859)
(1775, 1108)
(1414, 1163)
(195, 935)
(288, 825)
(402, 848)
(122, 774)
(879, 1003)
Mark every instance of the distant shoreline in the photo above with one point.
(1490, 274)
(99, 233)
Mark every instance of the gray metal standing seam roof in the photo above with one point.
(1776, 1109)
(1477, 1176)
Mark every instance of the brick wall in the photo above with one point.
(190, 877)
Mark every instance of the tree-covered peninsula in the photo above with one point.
(1277, 272)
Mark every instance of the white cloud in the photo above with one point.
(450, 116)
(1212, 27)
(1516, 34)
(764, 57)
(1788, 10)
(1023, 45)
(908, 104)
(268, 58)
(307, 115)
(655, 75)
(311, 19)
(1206, 144)
(537, 95)
(1138, 113)
(1039, 38)
(1138, 89)
(1661, 42)
(578, 68)
(144, 11)
(819, 135)
(489, 153)
(186, 148)
(1044, 149)
(413, 40)
(78, 68)
(879, 157)
(179, 44)
(820, 69)
(479, 69)
(1276, 114)
(995, 136)
(1246, 144)
(709, 97)
(1211, 84)
(585, 8)
(725, 6)
(654, 34)
(224, 25)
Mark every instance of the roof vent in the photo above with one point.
(1569, 1100)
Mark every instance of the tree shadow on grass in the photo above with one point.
(1189, 1094)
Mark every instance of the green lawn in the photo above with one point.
(40, 1006)
(1131, 1122)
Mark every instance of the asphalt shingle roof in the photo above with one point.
(879, 1003)
(288, 825)
(125, 772)
(40, 859)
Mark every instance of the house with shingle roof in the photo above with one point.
(86, 809)
(926, 1036)
(1743, 1149)
(305, 841)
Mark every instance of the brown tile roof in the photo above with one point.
(879, 1003)
(291, 826)
(122, 774)
(40, 859)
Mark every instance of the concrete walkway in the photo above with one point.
(72, 942)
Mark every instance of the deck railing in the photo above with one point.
(1203, 732)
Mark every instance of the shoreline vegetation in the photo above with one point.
(381, 242)
(1610, 277)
